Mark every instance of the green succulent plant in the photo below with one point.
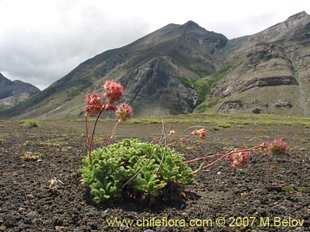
(132, 167)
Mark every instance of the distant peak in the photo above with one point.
(191, 24)
(298, 16)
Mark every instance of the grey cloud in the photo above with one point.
(43, 56)
(233, 28)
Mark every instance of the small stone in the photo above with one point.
(281, 104)
(3, 228)
(60, 228)
(31, 214)
(29, 195)
(257, 111)
(64, 149)
(21, 209)
(182, 206)
(105, 213)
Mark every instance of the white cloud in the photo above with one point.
(42, 40)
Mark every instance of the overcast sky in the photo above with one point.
(42, 40)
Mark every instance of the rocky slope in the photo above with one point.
(269, 72)
(185, 68)
(14, 92)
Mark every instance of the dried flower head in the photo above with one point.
(201, 133)
(239, 159)
(277, 146)
(123, 112)
(113, 91)
(171, 132)
(93, 104)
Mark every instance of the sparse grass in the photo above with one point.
(224, 125)
(49, 143)
(227, 120)
(29, 123)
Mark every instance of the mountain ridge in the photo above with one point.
(14, 92)
(185, 68)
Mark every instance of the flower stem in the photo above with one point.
(215, 161)
(87, 135)
(223, 156)
(163, 137)
(92, 136)
(114, 129)
(220, 156)
(201, 158)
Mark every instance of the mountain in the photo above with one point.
(14, 92)
(186, 68)
(267, 72)
(156, 71)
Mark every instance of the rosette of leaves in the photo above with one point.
(137, 169)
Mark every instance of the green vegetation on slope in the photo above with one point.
(29, 123)
(204, 85)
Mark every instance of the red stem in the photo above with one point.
(222, 156)
(229, 153)
(92, 136)
(87, 136)
(215, 161)
(201, 158)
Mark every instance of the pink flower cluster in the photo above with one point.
(113, 92)
(201, 133)
(239, 159)
(93, 104)
(276, 147)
